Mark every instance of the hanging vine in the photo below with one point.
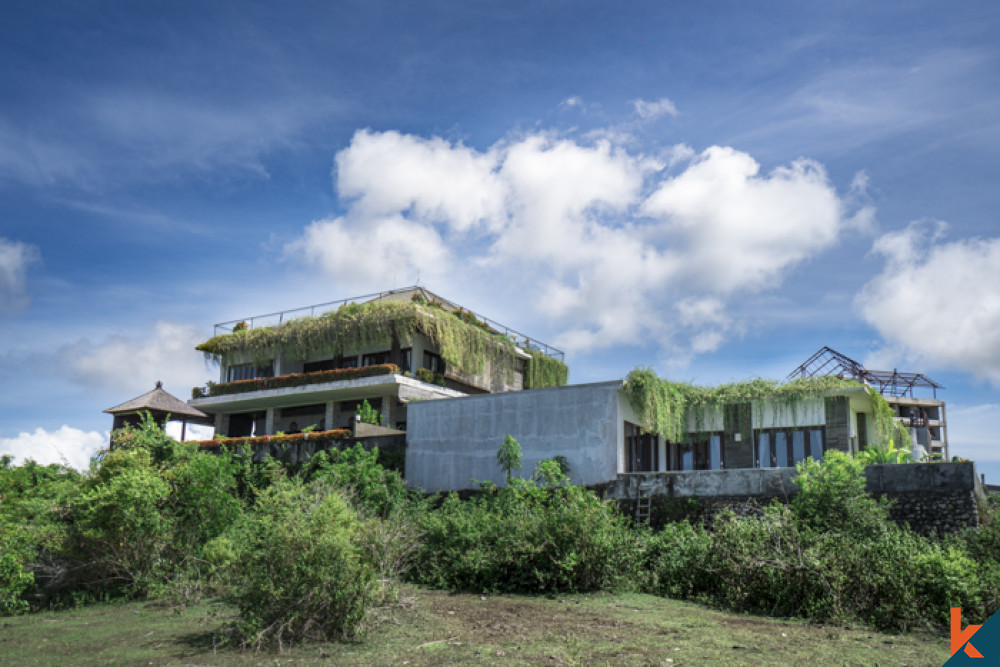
(462, 343)
(675, 410)
(544, 371)
(887, 429)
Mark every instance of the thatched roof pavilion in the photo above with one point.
(161, 406)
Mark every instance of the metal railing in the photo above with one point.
(280, 317)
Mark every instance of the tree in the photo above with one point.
(509, 456)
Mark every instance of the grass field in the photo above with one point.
(432, 627)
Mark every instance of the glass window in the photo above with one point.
(779, 453)
(764, 450)
(433, 362)
(816, 447)
(715, 452)
(249, 372)
(375, 358)
(347, 362)
(798, 446)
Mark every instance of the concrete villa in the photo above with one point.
(313, 366)
(457, 383)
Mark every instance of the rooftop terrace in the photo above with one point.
(402, 294)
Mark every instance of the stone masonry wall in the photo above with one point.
(933, 499)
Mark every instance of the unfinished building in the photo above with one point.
(922, 416)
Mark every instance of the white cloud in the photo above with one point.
(131, 366)
(742, 230)
(938, 302)
(654, 109)
(611, 246)
(67, 445)
(15, 257)
(362, 251)
(389, 173)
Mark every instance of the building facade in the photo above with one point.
(314, 367)
(452, 444)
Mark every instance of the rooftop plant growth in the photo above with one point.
(463, 341)
(675, 409)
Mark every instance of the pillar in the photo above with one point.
(386, 411)
(269, 422)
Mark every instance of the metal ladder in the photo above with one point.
(643, 505)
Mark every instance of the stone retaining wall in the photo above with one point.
(933, 498)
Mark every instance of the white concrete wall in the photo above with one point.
(453, 441)
(810, 412)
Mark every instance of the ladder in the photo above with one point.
(643, 505)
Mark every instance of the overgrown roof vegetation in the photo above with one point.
(675, 409)
(462, 340)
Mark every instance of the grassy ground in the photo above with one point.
(432, 627)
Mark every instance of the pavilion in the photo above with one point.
(161, 406)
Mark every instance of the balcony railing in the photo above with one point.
(280, 317)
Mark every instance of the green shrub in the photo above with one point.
(121, 528)
(832, 495)
(13, 579)
(301, 574)
(370, 487)
(525, 539)
(833, 554)
(674, 559)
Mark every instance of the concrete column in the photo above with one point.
(269, 422)
(386, 410)
(330, 414)
(221, 422)
(943, 433)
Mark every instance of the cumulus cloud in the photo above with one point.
(610, 245)
(133, 365)
(937, 301)
(653, 109)
(66, 446)
(15, 257)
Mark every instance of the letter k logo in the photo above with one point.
(960, 637)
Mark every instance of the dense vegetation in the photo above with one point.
(463, 341)
(311, 551)
(676, 409)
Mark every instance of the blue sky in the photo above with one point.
(713, 189)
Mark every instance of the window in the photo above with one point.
(347, 362)
(433, 362)
(249, 372)
(784, 447)
(375, 358)
(641, 451)
(317, 366)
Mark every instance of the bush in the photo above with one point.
(13, 579)
(371, 488)
(529, 540)
(301, 574)
(832, 555)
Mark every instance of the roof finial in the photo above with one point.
(159, 385)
